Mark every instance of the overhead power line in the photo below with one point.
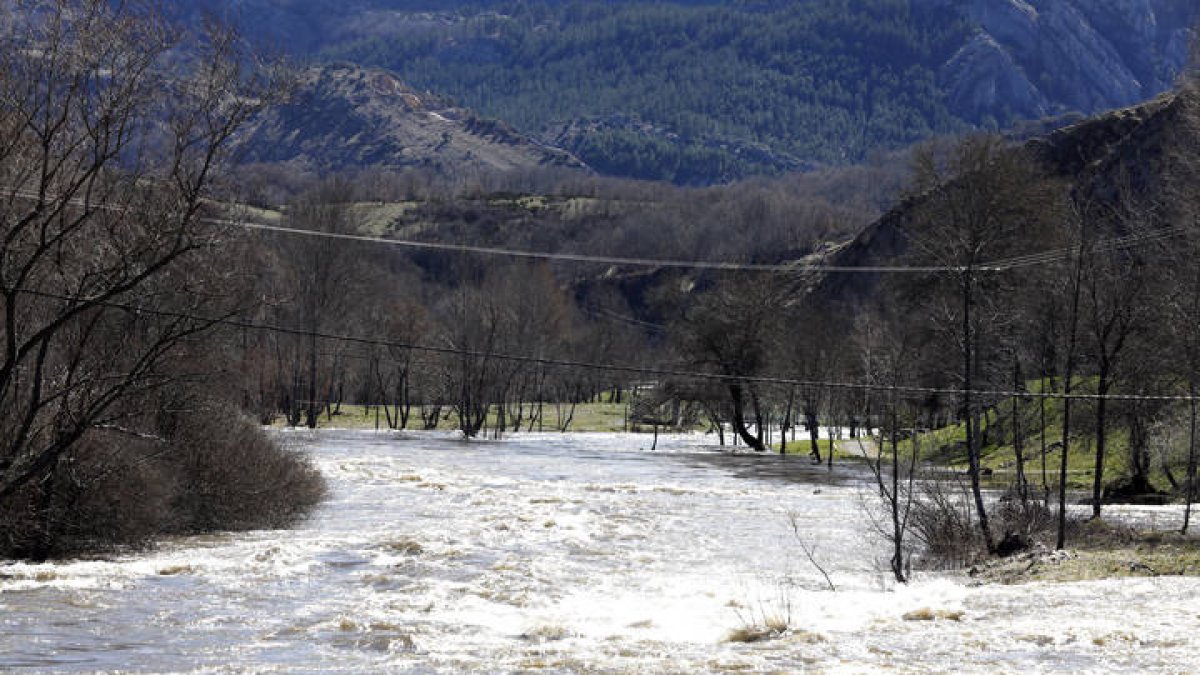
(1102, 245)
(597, 259)
(609, 367)
(1003, 265)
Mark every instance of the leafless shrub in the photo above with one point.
(809, 550)
(942, 519)
(238, 477)
(104, 493)
(1029, 519)
(120, 489)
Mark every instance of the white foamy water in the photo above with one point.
(578, 553)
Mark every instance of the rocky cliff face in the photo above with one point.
(342, 117)
(1032, 58)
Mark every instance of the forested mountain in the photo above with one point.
(698, 92)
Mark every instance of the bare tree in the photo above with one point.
(731, 331)
(1183, 286)
(1114, 306)
(110, 141)
(979, 203)
(894, 475)
(324, 280)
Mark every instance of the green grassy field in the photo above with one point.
(594, 417)
(946, 446)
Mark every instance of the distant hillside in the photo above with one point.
(819, 81)
(720, 90)
(1138, 153)
(343, 117)
(1032, 58)
(621, 145)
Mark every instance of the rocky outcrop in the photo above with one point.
(345, 117)
(1031, 58)
(983, 77)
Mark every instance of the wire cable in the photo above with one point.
(610, 367)
(1038, 258)
(598, 259)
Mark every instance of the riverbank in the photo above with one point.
(1098, 550)
(604, 416)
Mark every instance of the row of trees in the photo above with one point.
(431, 349)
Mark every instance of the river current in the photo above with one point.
(570, 553)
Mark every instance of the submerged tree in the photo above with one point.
(732, 330)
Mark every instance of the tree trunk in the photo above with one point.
(814, 433)
(739, 419)
(1190, 488)
(897, 522)
(1018, 433)
(311, 410)
(786, 421)
(1101, 439)
(1139, 456)
(759, 424)
(501, 418)
(829, 455)
(564, 421)
(1061, 541)
(717, 425)
(972, 418)
(1042, 434)
(341, 396)
(404, 405)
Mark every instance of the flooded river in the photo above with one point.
(576, 553)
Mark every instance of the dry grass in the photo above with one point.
(749, 634)
(547, 632)
(404, 546)
(927, 614)
(1099, 550)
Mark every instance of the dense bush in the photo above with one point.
(119, 489)
(117, 127)
(239, 478)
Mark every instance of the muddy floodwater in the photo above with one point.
(576, 553)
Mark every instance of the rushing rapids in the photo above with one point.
(570, 553)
